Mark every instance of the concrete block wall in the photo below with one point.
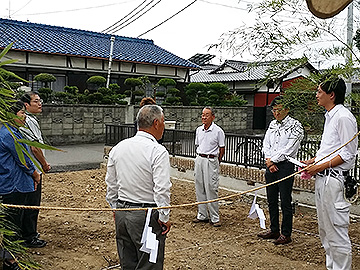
(231, 119)
(74, 124)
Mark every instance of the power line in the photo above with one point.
(123, 25)
(218, 4)
(76, 9)
(124, 17)
(167, 19)
(21, 8)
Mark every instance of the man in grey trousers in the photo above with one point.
(210, 148)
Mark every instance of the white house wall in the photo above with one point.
(20, 56)
(263, 88)
(94, 64)
(80, 63)
(77, 62)
(147, 69)
(166, 71)
(182, 72)
(126, 67)
(47, 60)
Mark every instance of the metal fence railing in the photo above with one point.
(240, 149)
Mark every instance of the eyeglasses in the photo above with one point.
(276, 110)
(38, 101)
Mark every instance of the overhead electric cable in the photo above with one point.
(218, 4)
(74, 10)
(168, 19)
(124, 16)
(21, 8)
(123, 25)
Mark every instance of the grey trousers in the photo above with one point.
(129, 226)
(333, 218)
(207, 187)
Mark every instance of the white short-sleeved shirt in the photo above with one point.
(209, 140)
(32, 132)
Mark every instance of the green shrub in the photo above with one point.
(96, 80)
(173, 91)
(139, 93)
(166, 82)
(122, 102)
(45, 78)
(115, 88)
(71, 90)
(194, 103)
(66, 98)
(95, 98)
(160, 94)
(172, 100)
(45, 94)
(132, 82)
(202, 100)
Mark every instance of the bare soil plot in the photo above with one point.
(86, 240)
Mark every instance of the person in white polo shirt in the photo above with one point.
(210, 148)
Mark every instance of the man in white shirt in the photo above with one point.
(210, 143)
(138, 175)
(32, 132)
(332, 209)
(282, 140)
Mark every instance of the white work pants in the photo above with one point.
(333, 218)
(207, 186)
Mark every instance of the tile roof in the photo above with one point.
(230, 70)
(67, 41)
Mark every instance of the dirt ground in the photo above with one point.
(86, 240)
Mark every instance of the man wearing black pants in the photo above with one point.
(282, 140)
(32, 132)
(272, 192)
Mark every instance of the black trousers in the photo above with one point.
(29, 226)
(284, 188)
(14, 215)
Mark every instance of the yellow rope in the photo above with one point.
(180, 205)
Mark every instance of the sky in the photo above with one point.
(189, 32)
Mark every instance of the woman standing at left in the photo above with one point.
(16, 178)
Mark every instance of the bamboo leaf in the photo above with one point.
(7, 62)
(8, 47)
(36, 163)
(39, 145)
(20, 153)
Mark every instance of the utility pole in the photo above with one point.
(349, 42)
(112, 40)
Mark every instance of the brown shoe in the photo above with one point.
(196, 220)
(269, 235)
(282, 240)
(216, 224)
